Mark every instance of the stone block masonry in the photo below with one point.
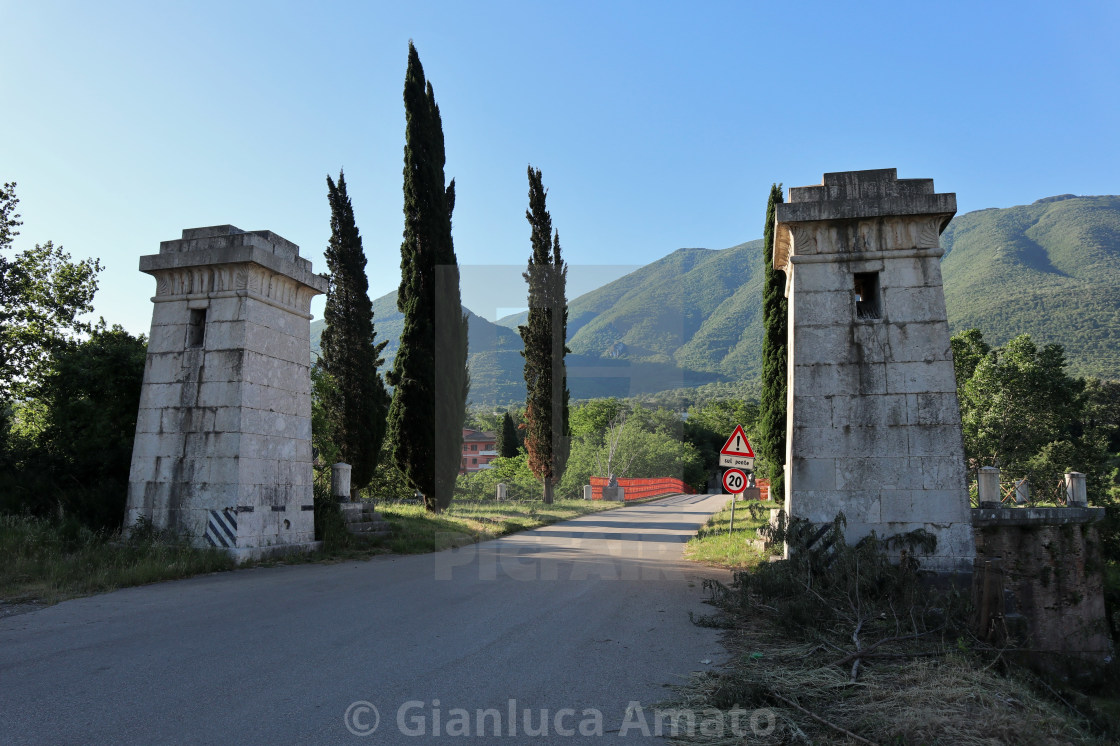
(1038, 583)
(223, 436)
(873, 426)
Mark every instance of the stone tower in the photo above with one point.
(873, 425)
(223, 436)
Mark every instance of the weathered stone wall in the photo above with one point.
(223, 436)
(873, 421)
(1045, 586)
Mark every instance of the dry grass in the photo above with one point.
(947, 699)
(840, 645)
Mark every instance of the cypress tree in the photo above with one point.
(350, 352)
(774, 342)
(429, 375)
(507, 438)
(547, 432)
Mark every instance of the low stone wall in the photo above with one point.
(1038, 583)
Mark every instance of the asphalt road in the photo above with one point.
(579, 617)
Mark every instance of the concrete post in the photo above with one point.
(586, 492)
(988, 485)
(501, 493)
(1022, 492)
(1075, 489)
(614, 494)
(340, 482)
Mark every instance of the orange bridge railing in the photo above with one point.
(638, 489)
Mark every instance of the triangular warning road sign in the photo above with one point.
(737, 444)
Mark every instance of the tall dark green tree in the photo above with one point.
(74, 458)
(772, 420)
(547, 432)
(430, 378)
(507, 438)
(358, 401)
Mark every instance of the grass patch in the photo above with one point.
(50, 561)
(416, 531)
(716, 544)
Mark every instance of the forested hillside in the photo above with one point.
(496, 363)
(1050, 269)
(495, 351)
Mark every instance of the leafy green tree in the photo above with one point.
(592, 418)
(547, 433)
(658, 454)
(709, 426)
(357, 402)
(76, 460)
(43, 294)
(1103, 416)
(9, 219)
(658, 420)
(513, 472)
(430, 379)
(479, 419)
(389, 482)
(1022, 412)
(508, 443)
(1103, 410)
(969, 348)
(641, 443)
(772, 428)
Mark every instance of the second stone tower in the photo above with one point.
(873, 426)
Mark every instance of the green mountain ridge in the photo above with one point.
(1050, 269)
(496, 363)
(693, 317)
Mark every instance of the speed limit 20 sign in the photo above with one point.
(734, 481)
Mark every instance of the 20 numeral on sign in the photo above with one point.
(734, 481)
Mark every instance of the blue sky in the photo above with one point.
(657, 125)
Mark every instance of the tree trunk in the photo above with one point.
(430, 504)
(547, 491)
